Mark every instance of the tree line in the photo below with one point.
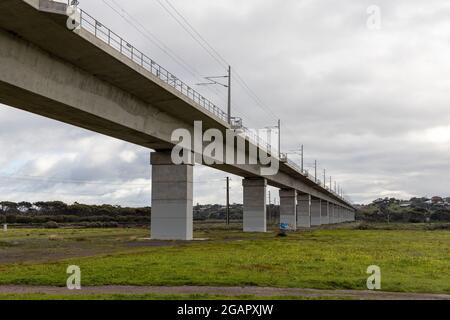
(53, 213)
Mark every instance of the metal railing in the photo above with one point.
(93, 26)
(311, 178)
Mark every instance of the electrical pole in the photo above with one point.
(228, 201)
(213, 81)
(324, 178)
(302, 157)
(315, 170)
(229, 95)
(279, 138)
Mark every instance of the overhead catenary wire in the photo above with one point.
(147, 34)
(136, 24)
(213, 54)
(200, 40)
(211, 51)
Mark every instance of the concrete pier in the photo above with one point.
(316, 208)
(255, 205)
(325, 215)
(304, 211)
(172, 196)
(288, 208)
(331, 212)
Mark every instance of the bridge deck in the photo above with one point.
(43, 24)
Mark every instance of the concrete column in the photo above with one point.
(325, 217)
(304, 211)
(288, 208)
(332, 209)
(255, 205)
(316, 207)
(172, 196)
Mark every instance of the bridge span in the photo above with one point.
(94, 79)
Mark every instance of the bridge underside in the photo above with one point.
(78, 79)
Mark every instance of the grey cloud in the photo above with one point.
(357, 99)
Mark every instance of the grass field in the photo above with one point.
(411, 259)
(156, 297)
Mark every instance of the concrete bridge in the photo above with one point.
(94, 79)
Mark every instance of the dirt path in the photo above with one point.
(225, 291)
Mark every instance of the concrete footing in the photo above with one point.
(172, 196)
(288, 208)
(304, 211)
(316, 212)
(255, 205)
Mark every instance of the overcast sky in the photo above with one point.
(370, 104)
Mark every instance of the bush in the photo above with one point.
(439, 227)
(51, 225)
(363, 226)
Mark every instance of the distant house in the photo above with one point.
(437, 200)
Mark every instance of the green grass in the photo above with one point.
(158, 297)
(410, 261)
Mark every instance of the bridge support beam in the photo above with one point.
(288, 208)
(325, 214)
(304, 211)
(255, 205)
(172, 197)
(316, 207)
